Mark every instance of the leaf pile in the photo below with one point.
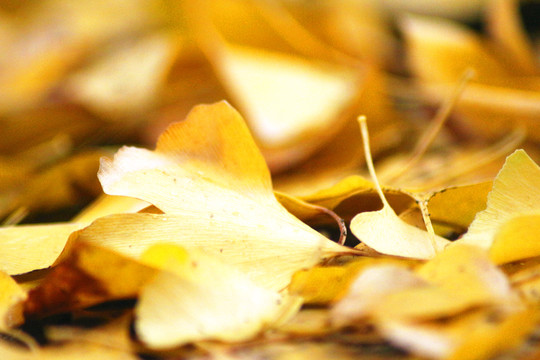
(275, 226)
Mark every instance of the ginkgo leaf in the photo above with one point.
(467, 271)
(11, 302)
(87, 275)
(209, 178)
(319, 93)
(355, 194)
(515, 192)
(369, 288)
(516, 239)
(323, 285)
(197, 297)
(459, 278)
(457, 206)
(40, 244)
(488, 340)
(64, 183)
(479, 335)
(109, 204)
(386, 233)
(291, 104)
(440, 50)
(127, 82)
(504, 25)
(342, 155)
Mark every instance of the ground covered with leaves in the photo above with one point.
(269, 180)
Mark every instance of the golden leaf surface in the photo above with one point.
(211, 182)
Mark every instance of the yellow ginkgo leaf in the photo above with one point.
(466, 270)
(370, 288)
(385, 232)
(65, 183)
(109, 204)
(87, 275)
(355, 194)
(11, 302)
(27, 248)
(342, 155)
(504, 25)
(515, 192)
(441, 50)
(478, 335)
(457, 206)
(127, 82)
(323, 285)
(197, 297)
(488, 340)
(211, 181)
(516, 239)
(460, 278)
(291, 104)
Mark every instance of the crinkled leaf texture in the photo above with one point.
(214, 187)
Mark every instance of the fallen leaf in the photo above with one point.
(107, 205)
(127, 82)
(439, 51)
(491, 339)
(505, 27)
(315, 110)
(12, 297)
(86, 275)
(196, 297)
(467, 271)
(216, 194)
(40, 244)
(516, 239)
(369, 288)
(479, 335)
(515, 192)
(386, 233)
(457, 206)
